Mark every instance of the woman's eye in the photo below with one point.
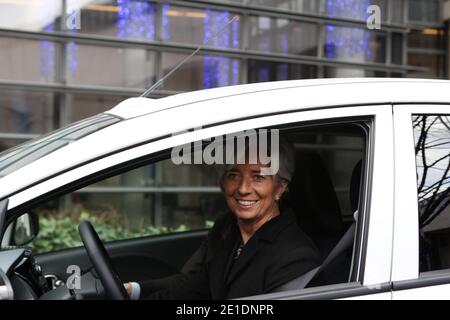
(231, 175)
(259, 178)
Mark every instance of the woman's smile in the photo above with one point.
(246, 204)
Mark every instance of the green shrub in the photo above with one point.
(58, 232)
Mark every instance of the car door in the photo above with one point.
(421, 268)
(371, 261)
(370, 251)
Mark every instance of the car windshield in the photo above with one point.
(17, 157)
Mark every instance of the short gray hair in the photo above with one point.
(286, 167)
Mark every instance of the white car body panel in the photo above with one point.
(379, 244)
(405, 263)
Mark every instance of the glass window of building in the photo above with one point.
(432, 140)
(123, 19)
(7, 143)
(200, 26)
(27, 112)
(82, 106)
(396, 48)
(199, 72)
(433, 64)
(426, 48)
(282, 35)
(425, 11)
(354, 44)
(260, 71)
(397, 10)
(28, 60)
(397, 75)
(428, 38)
(302, 6)
(346, 72)
(354, 9)
(109, 66)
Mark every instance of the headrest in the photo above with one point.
(312, 195)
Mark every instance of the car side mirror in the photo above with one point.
(24, 229)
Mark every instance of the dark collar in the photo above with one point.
(267, 232)
(272, 228)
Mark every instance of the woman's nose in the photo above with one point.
(244, 186)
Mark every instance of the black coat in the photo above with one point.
(279, 251)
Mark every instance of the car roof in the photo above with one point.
(381, 90)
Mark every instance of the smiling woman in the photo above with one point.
(255, 247)
(252, 196)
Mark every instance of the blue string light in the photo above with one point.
(283, 73)
(263, 74)
(284, 43)
(165, 22)
(353, 9)
(72, 55)
(216, 70)
(136, 19)
(235, 33)
(347, 42)
(47, 66)
(47, 55)
(235, 70)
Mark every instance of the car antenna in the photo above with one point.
(160, 81)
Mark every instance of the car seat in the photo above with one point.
(335, 268)
(338, 267)
(313, 199)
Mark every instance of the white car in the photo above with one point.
(371, 188)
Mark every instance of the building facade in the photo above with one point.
(63, 60)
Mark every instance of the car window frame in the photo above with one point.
(358, 287)
(408, 282)
(383, 118)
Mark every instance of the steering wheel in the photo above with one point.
(114, 288)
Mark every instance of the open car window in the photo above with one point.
(162, 198)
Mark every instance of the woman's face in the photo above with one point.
(249, 194)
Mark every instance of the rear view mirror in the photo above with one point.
(24, 229)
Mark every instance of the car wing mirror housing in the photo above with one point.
(24, 229)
